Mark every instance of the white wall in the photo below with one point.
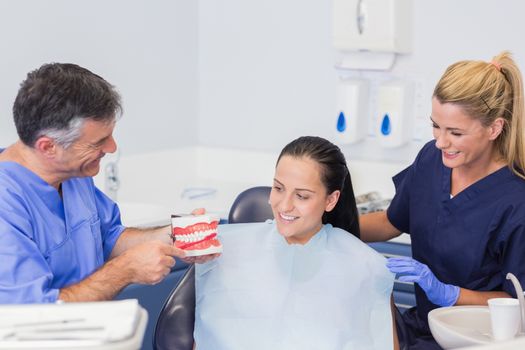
(235, 73)
(147, 49)
(267, 67)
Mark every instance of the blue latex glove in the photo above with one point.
(412, 270)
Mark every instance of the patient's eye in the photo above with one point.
(277, 188)
(302, 196)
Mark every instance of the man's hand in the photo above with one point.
(198, 211)
(200, 259)
(150, 262)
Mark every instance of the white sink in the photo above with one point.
(460, 326)
(467, 327)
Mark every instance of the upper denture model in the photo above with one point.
(196, 234)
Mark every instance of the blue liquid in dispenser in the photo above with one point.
(386, 127)
(341, 122)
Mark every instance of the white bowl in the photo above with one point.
(460, 326)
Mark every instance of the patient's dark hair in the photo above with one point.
(334, 175)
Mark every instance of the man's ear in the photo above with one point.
(332, 199)
(496, 128)
(46, 146)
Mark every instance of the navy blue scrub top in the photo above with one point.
(471, 240)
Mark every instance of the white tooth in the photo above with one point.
(286, 217)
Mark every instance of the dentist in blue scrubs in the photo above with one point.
(463, 199)
(61, 237)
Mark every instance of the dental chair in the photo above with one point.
(251, 205)
(174, 329)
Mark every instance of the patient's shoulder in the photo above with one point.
(343, 242)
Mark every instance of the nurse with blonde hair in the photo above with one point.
(463, 199)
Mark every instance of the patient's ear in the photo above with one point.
(331, 200)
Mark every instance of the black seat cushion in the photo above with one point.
(251, 205)
(174, 329)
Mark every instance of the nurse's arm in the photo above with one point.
(375, 227)
(474, 297)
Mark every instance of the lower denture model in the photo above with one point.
(196, 234)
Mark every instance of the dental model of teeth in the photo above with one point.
(196, 234)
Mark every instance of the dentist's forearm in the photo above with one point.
(134, 236)
(145, 263)
(103, 284)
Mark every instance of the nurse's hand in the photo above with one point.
(411, 270)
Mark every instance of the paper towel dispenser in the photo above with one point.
(373, 25)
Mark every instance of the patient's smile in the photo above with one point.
(288, 217)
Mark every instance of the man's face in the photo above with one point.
(83, 157)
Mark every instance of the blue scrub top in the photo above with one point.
(471, 240)
(49, 242)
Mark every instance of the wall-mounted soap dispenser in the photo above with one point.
(352, 110)
(395, 113)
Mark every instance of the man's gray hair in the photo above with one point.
(66, 137)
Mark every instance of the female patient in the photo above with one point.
(301, 281)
